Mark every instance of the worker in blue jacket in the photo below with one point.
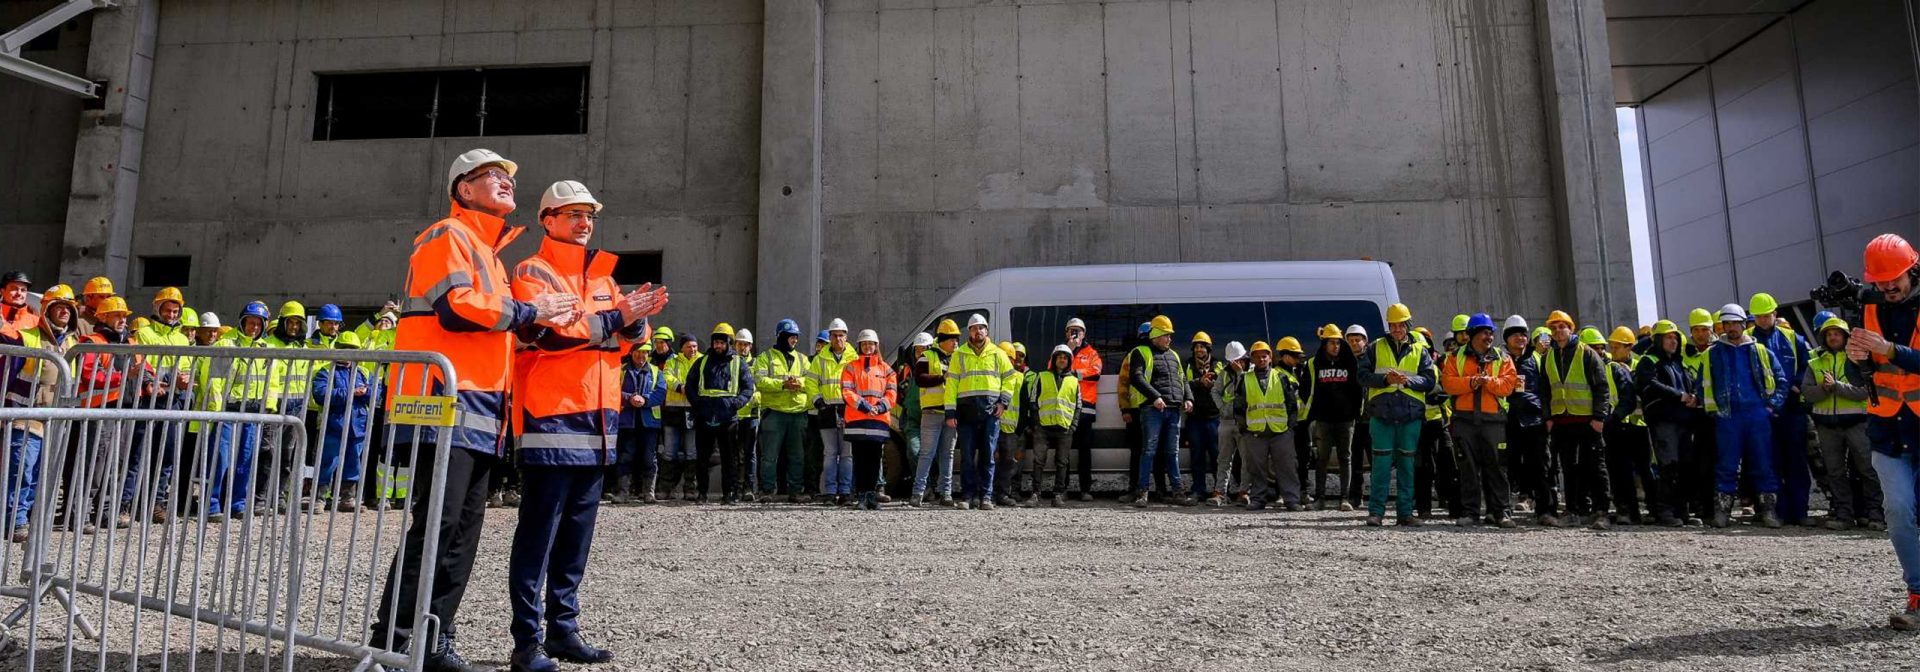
(643, 389)
(1790, 351)
(718, 385)
(1743, 389)
(345, 394)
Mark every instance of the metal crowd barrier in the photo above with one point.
(29, 377)
(206, 507)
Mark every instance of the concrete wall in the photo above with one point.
(233, 178)
(1774, 165)
(37, 130)
(965, 136)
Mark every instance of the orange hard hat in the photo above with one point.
(1887, 257)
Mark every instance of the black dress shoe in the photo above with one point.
(575, 649)
(445, 659)
(531, 659)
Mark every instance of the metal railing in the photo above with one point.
(206, 507)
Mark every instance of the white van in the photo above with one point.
(1235, 301)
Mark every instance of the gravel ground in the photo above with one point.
(681, 587)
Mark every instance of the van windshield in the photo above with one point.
(1113, 328)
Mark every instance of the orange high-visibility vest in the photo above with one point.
(1893, 386)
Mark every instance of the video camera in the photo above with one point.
(1845, 295)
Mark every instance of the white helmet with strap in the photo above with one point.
(475, 159)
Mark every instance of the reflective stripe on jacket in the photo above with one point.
(568, 400)
(868, 378)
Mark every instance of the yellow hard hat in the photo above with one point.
(1398, 313)
(1020, 348)
(1834, 323)
(1330, 331)
(1561, 317)
(1699, 318)
(112, 305)
(1202, 337)
(947, 328)
(99, 285)
(140, 323)
(1622, 336)
(291, 309)
(1762, 304)
(347, 340)
(663, 334)
(1288, 344)
(1665, 327)
(723, 329)
(1460, 322)
(1160, 325)
(1591, 336)
(1260, 346)
(56, 293)
(189, 317)
(169, 294)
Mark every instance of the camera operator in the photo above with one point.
(1889, 336)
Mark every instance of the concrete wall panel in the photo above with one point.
(1236, 94)
(648, 85)
(906, 118)
(1063, 158)
(1143, 139)
(1381, 141)
(976, 105)
(214, 117)
(849, 161)
(723, 123)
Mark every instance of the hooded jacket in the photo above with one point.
(1332, 392)
(1659, 380)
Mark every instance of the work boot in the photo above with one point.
(1722, 510)
(1295, 507)
(1032, 500)
(510, 499)
(1346, 506)
(1464, 521)
(1128, 498)
(1002, 500)
(1622, 519)
(1876, 526)
(1507, 523)
(1909, 619)
(986, 505)
(1216, 501)
(530, 658)
(968, 504)
(494, 501)
(1375, 521)
(946, 499)
(1408, 521)
(1769, 502)
(1086, 496)
(1599, 522)
(1547, 520)
(801, 498)
(1138, 499)
(1667, 519)
(918, 499)
(1839, 524)
(1059, 501)
(572, 648)
(1256, 504)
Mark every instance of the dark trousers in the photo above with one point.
(866, 465)
(462, 512)
(1583, 457)
(1671, 445)
(1359, 462)
(1435, 470)
(639, 458)
(1790, 463)
(558, 506)
(1532, 470)
(812, 462)
(746, 435)
(1082, 448)
(1203, 439)
(975, 446)
(1131, 420)
(1483, 479)
(1630, 467)
(708, 441)
(1333, 444)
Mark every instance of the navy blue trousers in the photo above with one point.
(558, 506)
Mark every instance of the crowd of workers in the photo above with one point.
(564, 383)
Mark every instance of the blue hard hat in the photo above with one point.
(786, 328)
(823, 336)
(1479, 321)
(1145, 327)
(256, 309)
(331, 313)
(1821, 317)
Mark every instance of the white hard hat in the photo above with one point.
(1075, 323)
(1732, 312)
(473, 160)
(209, 321)
(1357, 329)
(1062, 349)
(867, 336)
(923, 339)
(743, 336)
(567, 192)
(1514, 322)
(1235, 351)
(977, 320)
(837, 325)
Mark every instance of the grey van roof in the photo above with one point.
(1207, 280)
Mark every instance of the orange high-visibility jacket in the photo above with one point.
(1488, 404)
(568, 398)
(459, 304)
(1086, 366)
(868, 378)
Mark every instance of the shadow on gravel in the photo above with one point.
(54, 659)
(1748, 642)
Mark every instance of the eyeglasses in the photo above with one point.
(577, 215)
(496, 174)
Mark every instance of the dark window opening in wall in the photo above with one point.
(485, 102)
(637, 268)
(168, 271)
